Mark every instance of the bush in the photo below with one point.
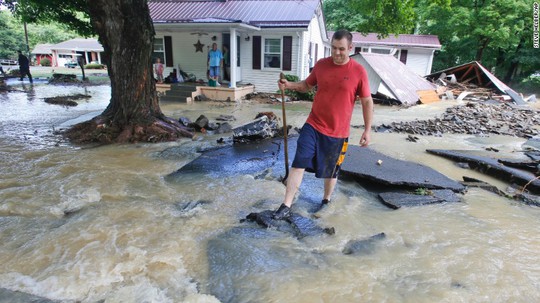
(529, 85)
(94, 66)
(298, 95)
(45, 62)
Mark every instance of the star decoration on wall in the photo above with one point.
(198, 46)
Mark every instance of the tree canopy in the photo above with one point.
(12, 35)
(496, 32)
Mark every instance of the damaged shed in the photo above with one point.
(476, 74)
(394, 82)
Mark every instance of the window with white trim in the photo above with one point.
(272, 53)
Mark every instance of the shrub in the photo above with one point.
(94, 66)
(45, 62)
(298, 95)
(529, 85)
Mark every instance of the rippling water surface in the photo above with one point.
(90, 224)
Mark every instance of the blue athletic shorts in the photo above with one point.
(318, 153)
(214, 71)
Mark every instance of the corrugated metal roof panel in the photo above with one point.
(403, 82)
(282, 12)
(429, 41)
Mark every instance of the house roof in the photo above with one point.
(42, 49)
(403, 83)
(79, 44)
(425, 41)
(260, 13)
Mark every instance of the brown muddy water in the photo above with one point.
(103, 224)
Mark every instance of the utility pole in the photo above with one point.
(26, 37)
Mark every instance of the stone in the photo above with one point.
(261, 128)
(363, 246)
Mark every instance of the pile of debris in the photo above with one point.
(474, 118)
(66, 100)
(63, 78)
(265, 125)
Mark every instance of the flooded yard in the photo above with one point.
(81, 224)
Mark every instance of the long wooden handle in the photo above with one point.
(285, 130)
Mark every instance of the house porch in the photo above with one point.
(186, 92)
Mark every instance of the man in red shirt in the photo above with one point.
(323, 139)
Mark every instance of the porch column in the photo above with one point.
(232, 58)
(99, 57)
(86, 57)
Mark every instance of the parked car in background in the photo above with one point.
(71, 64)
(8, 62)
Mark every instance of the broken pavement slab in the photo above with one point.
(492, 167)
(396, 200)
(362, 163)
(297, 225)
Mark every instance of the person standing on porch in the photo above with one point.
(215, 61)
(323, 140)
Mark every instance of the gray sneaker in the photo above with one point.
(283, 212)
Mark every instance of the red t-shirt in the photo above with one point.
(337, 88)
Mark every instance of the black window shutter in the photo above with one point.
(256, 52)
(168, 51)
(403, 56)
(287, 52)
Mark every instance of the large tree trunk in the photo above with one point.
(126, 33)
(480, 50)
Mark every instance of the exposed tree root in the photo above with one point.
(100, 130)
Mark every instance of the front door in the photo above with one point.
(226, 60)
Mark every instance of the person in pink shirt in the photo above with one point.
(323, 140)
(158, 69)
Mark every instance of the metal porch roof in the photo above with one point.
(264, 13)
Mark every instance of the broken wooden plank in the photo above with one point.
(428, 96)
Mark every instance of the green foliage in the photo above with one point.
(298, 95)
(497, 33)
(94, 66)
(385, 17)
(12, 35)
(45, 62)
(73, 14)
(423, 192)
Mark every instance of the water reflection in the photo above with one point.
(90, 224)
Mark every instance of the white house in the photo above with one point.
(415, 51)
(89, 49)
(264, 37)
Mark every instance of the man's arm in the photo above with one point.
(301, 86)
(367, 112)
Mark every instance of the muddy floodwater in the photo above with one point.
(81, 224)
